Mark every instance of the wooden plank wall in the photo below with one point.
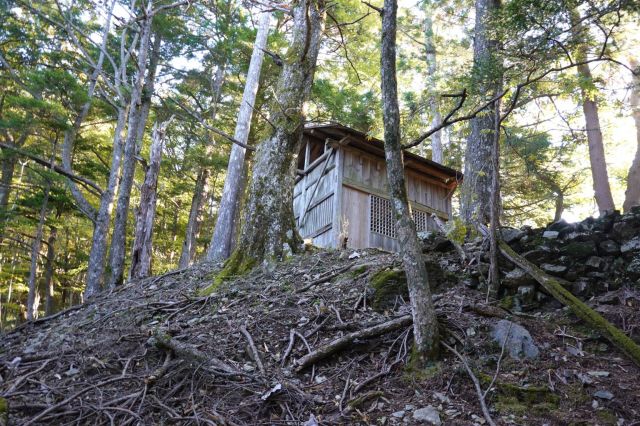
(318, 221)
(365, 174)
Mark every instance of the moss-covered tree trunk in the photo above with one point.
(425, 323)
(269, 230)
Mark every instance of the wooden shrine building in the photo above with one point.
(341, 190)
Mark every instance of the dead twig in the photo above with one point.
(476, 383)
(324, 279)
(254, 350)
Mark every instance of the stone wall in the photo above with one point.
(591, 257)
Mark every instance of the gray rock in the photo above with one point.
(595, 263)
(510, 235)
(428, 415)
(518, 340)
(625, 229)
(581, 288)
(398, 414)
(517, 278)
(631, 245)
(553, 269)
(527, 293)
(603, 394)
(579, 249)
(609, 247)
(551, 235)
(633, 269)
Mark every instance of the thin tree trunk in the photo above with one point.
(32, 297)
(135, 129)
(432, 68)
(632, 194)
(475, 197)
(220, 246)
(494, 211)
(599, 174)
(97, 255)
(198, 198)
(143, 241)
(269, 229)
(49, 305)
(71, 133)
(9, 161)
(425, 324)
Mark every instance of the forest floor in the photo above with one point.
(159, 351)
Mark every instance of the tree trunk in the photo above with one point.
(430, 47)
(32, 297)
(269, 229)
(198, 198)
(141, 93)
(188, 245)
(97, 255)
(7, 169)
(475, 197)
(632, 194)
(220, 246)
(599, 174)
(142, 245)
(425, 324)
(9, 160)
(49, 305)
(70, 134)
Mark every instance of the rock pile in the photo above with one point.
(591, 257)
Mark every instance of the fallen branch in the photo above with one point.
(254, 350)
(579, 308)
(325, 278)
(74, 396)
(476, 383)
(183, 350)
(341, 342)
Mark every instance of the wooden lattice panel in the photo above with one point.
(382, 217)
(421, 219)
(382, 221)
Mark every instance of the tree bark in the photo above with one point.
(49, 306)
(141, 93)
(70, 134)
(143, 242)
(188, 245)
(432, 68)
(202, 180)
(97, 255)
(220, 246)
(7, 170)
(269, 229)
(599, 174)
(632, 194)
(475, 197)
(425, 324)
(32, 297)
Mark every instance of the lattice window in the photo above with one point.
(382, 221)
(421, 219)
(382, 217)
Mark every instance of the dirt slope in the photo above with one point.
(159, 352)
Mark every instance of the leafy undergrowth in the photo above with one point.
(156, 352)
